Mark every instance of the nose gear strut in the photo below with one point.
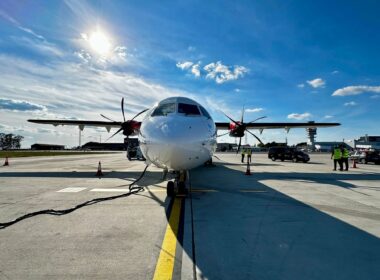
(178, 185)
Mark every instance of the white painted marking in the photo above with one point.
(110, 190)
(124, 190)
(129, 179)
(72, 189)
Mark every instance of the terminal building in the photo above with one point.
(329, 146)
(367, 143)
(45, 147)
(95, 146)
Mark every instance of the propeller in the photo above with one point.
(222, 134)
(107, 118)
(242, 126)
(126, 125)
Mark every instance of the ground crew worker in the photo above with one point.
(337, 156)
(345, 155)
(242, 155)
(249, 154)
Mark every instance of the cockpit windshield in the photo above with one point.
(164, 109)
(204, 112)
(188, 109)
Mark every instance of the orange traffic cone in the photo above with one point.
(99, 172)
(248, 171)
(354, 164)
(6, 163)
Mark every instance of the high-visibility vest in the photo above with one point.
(337, 153)
(243, 151)
(249, 152)
(345, 153)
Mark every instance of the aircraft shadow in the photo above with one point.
(266, 234)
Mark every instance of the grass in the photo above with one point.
(24, 153)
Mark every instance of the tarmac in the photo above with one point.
(285, 221)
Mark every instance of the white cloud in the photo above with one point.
(191, 48)
(222, 73)
(184, 65)
(328, 117)
(356, 90)
(297, 116)
(121, 51)
(84, 56)
(20, 105)
(216, 71)
(254, 110)
(19, 26)
(195, 70)
(301, 85)
(351, 103)
(335, 72)
(316, 83)
(36, 42)
(237, 90)
(116, 54)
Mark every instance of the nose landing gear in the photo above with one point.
(178, 186)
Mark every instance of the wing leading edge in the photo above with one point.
(262, 126)
(80, 123)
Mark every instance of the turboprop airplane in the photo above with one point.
(178, 134)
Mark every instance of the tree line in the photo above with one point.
(10, 141)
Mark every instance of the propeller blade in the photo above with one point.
(257, 119)
(222, 134)
(115, 133)
(242, 115)
(143, 111)
(255, 137)
(238, 149)
(216, 157)
(107, 118)
(231, 119)
(122, 108)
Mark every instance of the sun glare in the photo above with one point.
(99, 42)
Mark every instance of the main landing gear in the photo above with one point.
(178, 186)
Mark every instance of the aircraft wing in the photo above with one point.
(287, 126)
(80, 123)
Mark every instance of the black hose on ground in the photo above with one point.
(132, 190)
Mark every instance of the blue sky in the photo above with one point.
(287, 60)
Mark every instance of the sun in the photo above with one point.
(100, 43)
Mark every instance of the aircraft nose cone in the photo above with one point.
(178, 144)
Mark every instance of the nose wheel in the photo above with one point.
(170, 189)
(178, 186)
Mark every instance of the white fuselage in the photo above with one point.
(177, 141)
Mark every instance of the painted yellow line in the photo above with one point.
(165, 263)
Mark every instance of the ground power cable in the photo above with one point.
(132, 190)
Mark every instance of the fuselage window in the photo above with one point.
(188, 109)
(164, 109)
(205, 113)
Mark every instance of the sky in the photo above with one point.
(286, 60)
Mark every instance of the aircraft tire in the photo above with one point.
(170, 189)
